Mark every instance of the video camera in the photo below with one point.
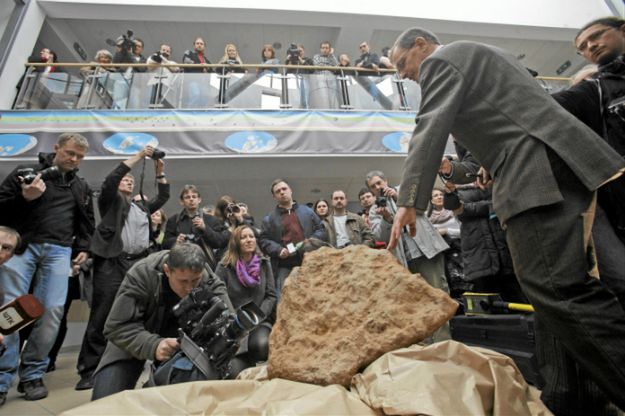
(126, 40)
(292, 54)
(28, 174)
(209, 338)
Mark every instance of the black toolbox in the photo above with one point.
(509, 334)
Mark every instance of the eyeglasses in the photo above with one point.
(583, 48)
(401, 63)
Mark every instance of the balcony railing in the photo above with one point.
(276, 87)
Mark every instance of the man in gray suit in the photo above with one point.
(546, 167)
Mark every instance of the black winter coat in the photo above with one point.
(483, 241)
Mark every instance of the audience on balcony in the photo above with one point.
(231, 57)
(268, 57)
(196, 57)
(325, 57)
(46, 55)
(367, 59)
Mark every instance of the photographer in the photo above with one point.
(295, 56)
(121, 239)
(192, 225)
(141, 325)
(51, 208)
(163, 75)
(596, 103)
(420, 254)
(162, 58)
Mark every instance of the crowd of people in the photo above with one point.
(532, 208)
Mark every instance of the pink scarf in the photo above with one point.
(249, 273)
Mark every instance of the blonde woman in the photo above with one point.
(248, 277)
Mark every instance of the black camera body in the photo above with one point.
(381, 201)
(128, 40)
(233, 209)
(28, 174)
(157, 57)
(158, 154)
(292, 54)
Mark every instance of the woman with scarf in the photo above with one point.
(248, 277)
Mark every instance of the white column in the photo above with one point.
(19, 52)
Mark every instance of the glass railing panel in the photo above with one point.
(198, 91)
(371, 93)
(53, 90)
(253, 90)
(412, 91)
(245, 87)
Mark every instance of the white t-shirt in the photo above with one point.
(342, 238)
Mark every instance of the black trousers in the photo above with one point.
(107, 277)
(580, 325)
(610, 255)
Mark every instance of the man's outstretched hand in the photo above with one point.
(404, 216)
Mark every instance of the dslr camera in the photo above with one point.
(233, 209)
(158, 154)
(28, 174)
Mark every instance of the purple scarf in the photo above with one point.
(249, 273)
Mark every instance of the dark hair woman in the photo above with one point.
(248, 277)
(322, 208)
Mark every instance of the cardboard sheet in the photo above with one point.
(446, 378)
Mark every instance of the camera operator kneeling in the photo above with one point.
(141, 325)
(248, 277)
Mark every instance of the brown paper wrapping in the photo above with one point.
(446, 378)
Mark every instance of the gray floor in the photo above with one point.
(60, 384)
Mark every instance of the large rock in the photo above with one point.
(344, 308)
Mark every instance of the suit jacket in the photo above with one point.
(495, 109)
(114, 207)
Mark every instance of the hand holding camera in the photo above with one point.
(33, 189)
(198, 222)
(389, 192)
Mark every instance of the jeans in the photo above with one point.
(47, 267)
(117, 376)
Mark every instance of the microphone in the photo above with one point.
(18, 313)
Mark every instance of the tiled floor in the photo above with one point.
(62, 395)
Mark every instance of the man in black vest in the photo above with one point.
(121, 238)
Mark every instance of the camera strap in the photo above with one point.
(141, 177)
